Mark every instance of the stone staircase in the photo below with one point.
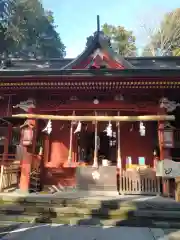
(91, 211)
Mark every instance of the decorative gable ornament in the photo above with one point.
(170, 106)
(99, 53)
(48, 128)
(27, 106)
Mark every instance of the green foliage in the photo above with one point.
(27, 30)
(122, 40)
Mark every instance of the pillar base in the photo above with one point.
(95, 165)
(69, 162)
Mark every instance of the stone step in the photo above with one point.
(51, 201)
(91, 203)
(156, 214)
(92, 221)
(22, 206)
(90, 210)
(17, 218)
(121, 214)
(106, 211)
(138, 219)
(65, 211)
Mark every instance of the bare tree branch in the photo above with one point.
(165, 37)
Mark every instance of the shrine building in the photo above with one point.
(91, 123)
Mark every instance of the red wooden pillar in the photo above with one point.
(46, 149)
(28, 153)
(164, 152)
(25, 170)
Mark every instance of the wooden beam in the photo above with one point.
(98, 118)
(148, 107)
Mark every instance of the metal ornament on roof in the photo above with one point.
(119, 97)
(170, 106)
(96, 101)
(73, 98)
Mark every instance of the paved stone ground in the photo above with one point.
(53, 232)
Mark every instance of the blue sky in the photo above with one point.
(76, 19)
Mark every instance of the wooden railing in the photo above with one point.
(139, 182)
(10, 169)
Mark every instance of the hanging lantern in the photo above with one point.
(142, 129)
(48, 128)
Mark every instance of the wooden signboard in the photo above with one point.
(168, 168)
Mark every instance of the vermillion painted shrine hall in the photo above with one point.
(99, 122)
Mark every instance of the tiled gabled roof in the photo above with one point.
(101, 43)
